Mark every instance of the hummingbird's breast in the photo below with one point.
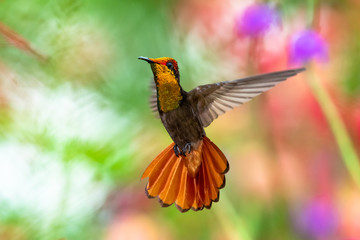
(183, 125)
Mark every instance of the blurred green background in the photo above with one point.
(76, 132)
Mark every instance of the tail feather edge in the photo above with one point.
(170, 181)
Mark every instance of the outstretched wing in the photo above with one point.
(213, 100)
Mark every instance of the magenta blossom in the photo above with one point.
(317, 219)
(256, 20)
(307, 45)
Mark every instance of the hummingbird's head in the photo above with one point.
(164, 68)
(166, 77)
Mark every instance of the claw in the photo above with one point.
(177, 150)
(187, 148)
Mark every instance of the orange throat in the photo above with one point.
(169, 96)
(168, 92)
(167, 84)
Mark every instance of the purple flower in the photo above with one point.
(307, 45)
(256, 20)
(317, 219)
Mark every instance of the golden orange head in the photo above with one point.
(163, 68)
(166, 77)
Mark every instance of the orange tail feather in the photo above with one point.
(192, 181)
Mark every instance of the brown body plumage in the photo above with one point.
(182, 124)
(191, 171)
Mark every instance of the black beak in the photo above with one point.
(146, 59)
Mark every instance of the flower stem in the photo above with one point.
(311, 4)
(228, 217)
(338, 128)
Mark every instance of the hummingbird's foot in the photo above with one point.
(177, 150)
(187, 148)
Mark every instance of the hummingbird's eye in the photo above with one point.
(170, 65)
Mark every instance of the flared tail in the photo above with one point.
(189, 182)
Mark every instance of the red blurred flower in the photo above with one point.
(357, 123)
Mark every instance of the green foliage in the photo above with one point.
(75, 127)
(352, 76)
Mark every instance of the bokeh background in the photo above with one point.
(76, 132)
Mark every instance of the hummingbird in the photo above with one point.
(191, 171)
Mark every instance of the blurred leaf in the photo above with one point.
(17, 41)
(351, 81)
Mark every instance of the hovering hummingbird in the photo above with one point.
(190, 171)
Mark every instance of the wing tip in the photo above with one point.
(302, 69)
(294, 71)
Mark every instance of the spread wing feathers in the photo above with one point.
(213, 100)
(170, 181)
(153, 98)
